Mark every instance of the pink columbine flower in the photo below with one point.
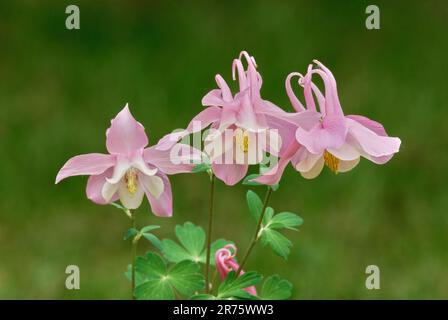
(225, 262)
(334, 140)
(130, 170)
(245, 126)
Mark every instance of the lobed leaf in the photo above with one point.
(191, 237)
(186, 277)
(234, 286)
(192, 247)
(276, 288)
(278, 242)
(286, 220)
(160, 282)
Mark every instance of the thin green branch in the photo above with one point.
(209, 232)
(257, 231)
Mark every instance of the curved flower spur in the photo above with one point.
(225, 262)
(244, 127)
(333, 139)
(130, 170)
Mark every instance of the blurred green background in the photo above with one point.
(60, 88)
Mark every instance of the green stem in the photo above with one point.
(257, 230)
(134, 254)
(209, 232)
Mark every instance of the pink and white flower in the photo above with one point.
(130, 170)
(244, 126)
(331, 139)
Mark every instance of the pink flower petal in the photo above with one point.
(230, 174)
(306, 120)
(315, 170)
(95, 185)
(331, 95)
(121, 166)
(307, 89)
(274, 175)
(213, 98)
(242, 79)
(86, 164)
(298, 106)
(219, 145)
(347, 152)
(130, 200)
(225, 90)
(228, 117)
(218, 97)
(307, 160)
(246, 117)
(181, 158)
(330, 133)
(345, 166)
(225, 262)
(372, 125)
(125, 135)
(371, 143)
(199, 122)
(152, 184)
(163, 205)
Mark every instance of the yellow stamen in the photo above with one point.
(242, 140)
(130, 178)
(331, 161)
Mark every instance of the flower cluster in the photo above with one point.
(238, 130)
(246, 128)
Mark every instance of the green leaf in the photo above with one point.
(278, 242)
(191, 237)
(234, 286)
(174, 252)
(192, 245)
(152, 266)
(155, 289)
(276, 288)
(139, 277)
(268, 213)
(125, 210)
(254, 203)
(118, 206)
(286, 220)
(149, 228)
(153, 239)
(130, 233)
(186, 277)
(160, 282)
